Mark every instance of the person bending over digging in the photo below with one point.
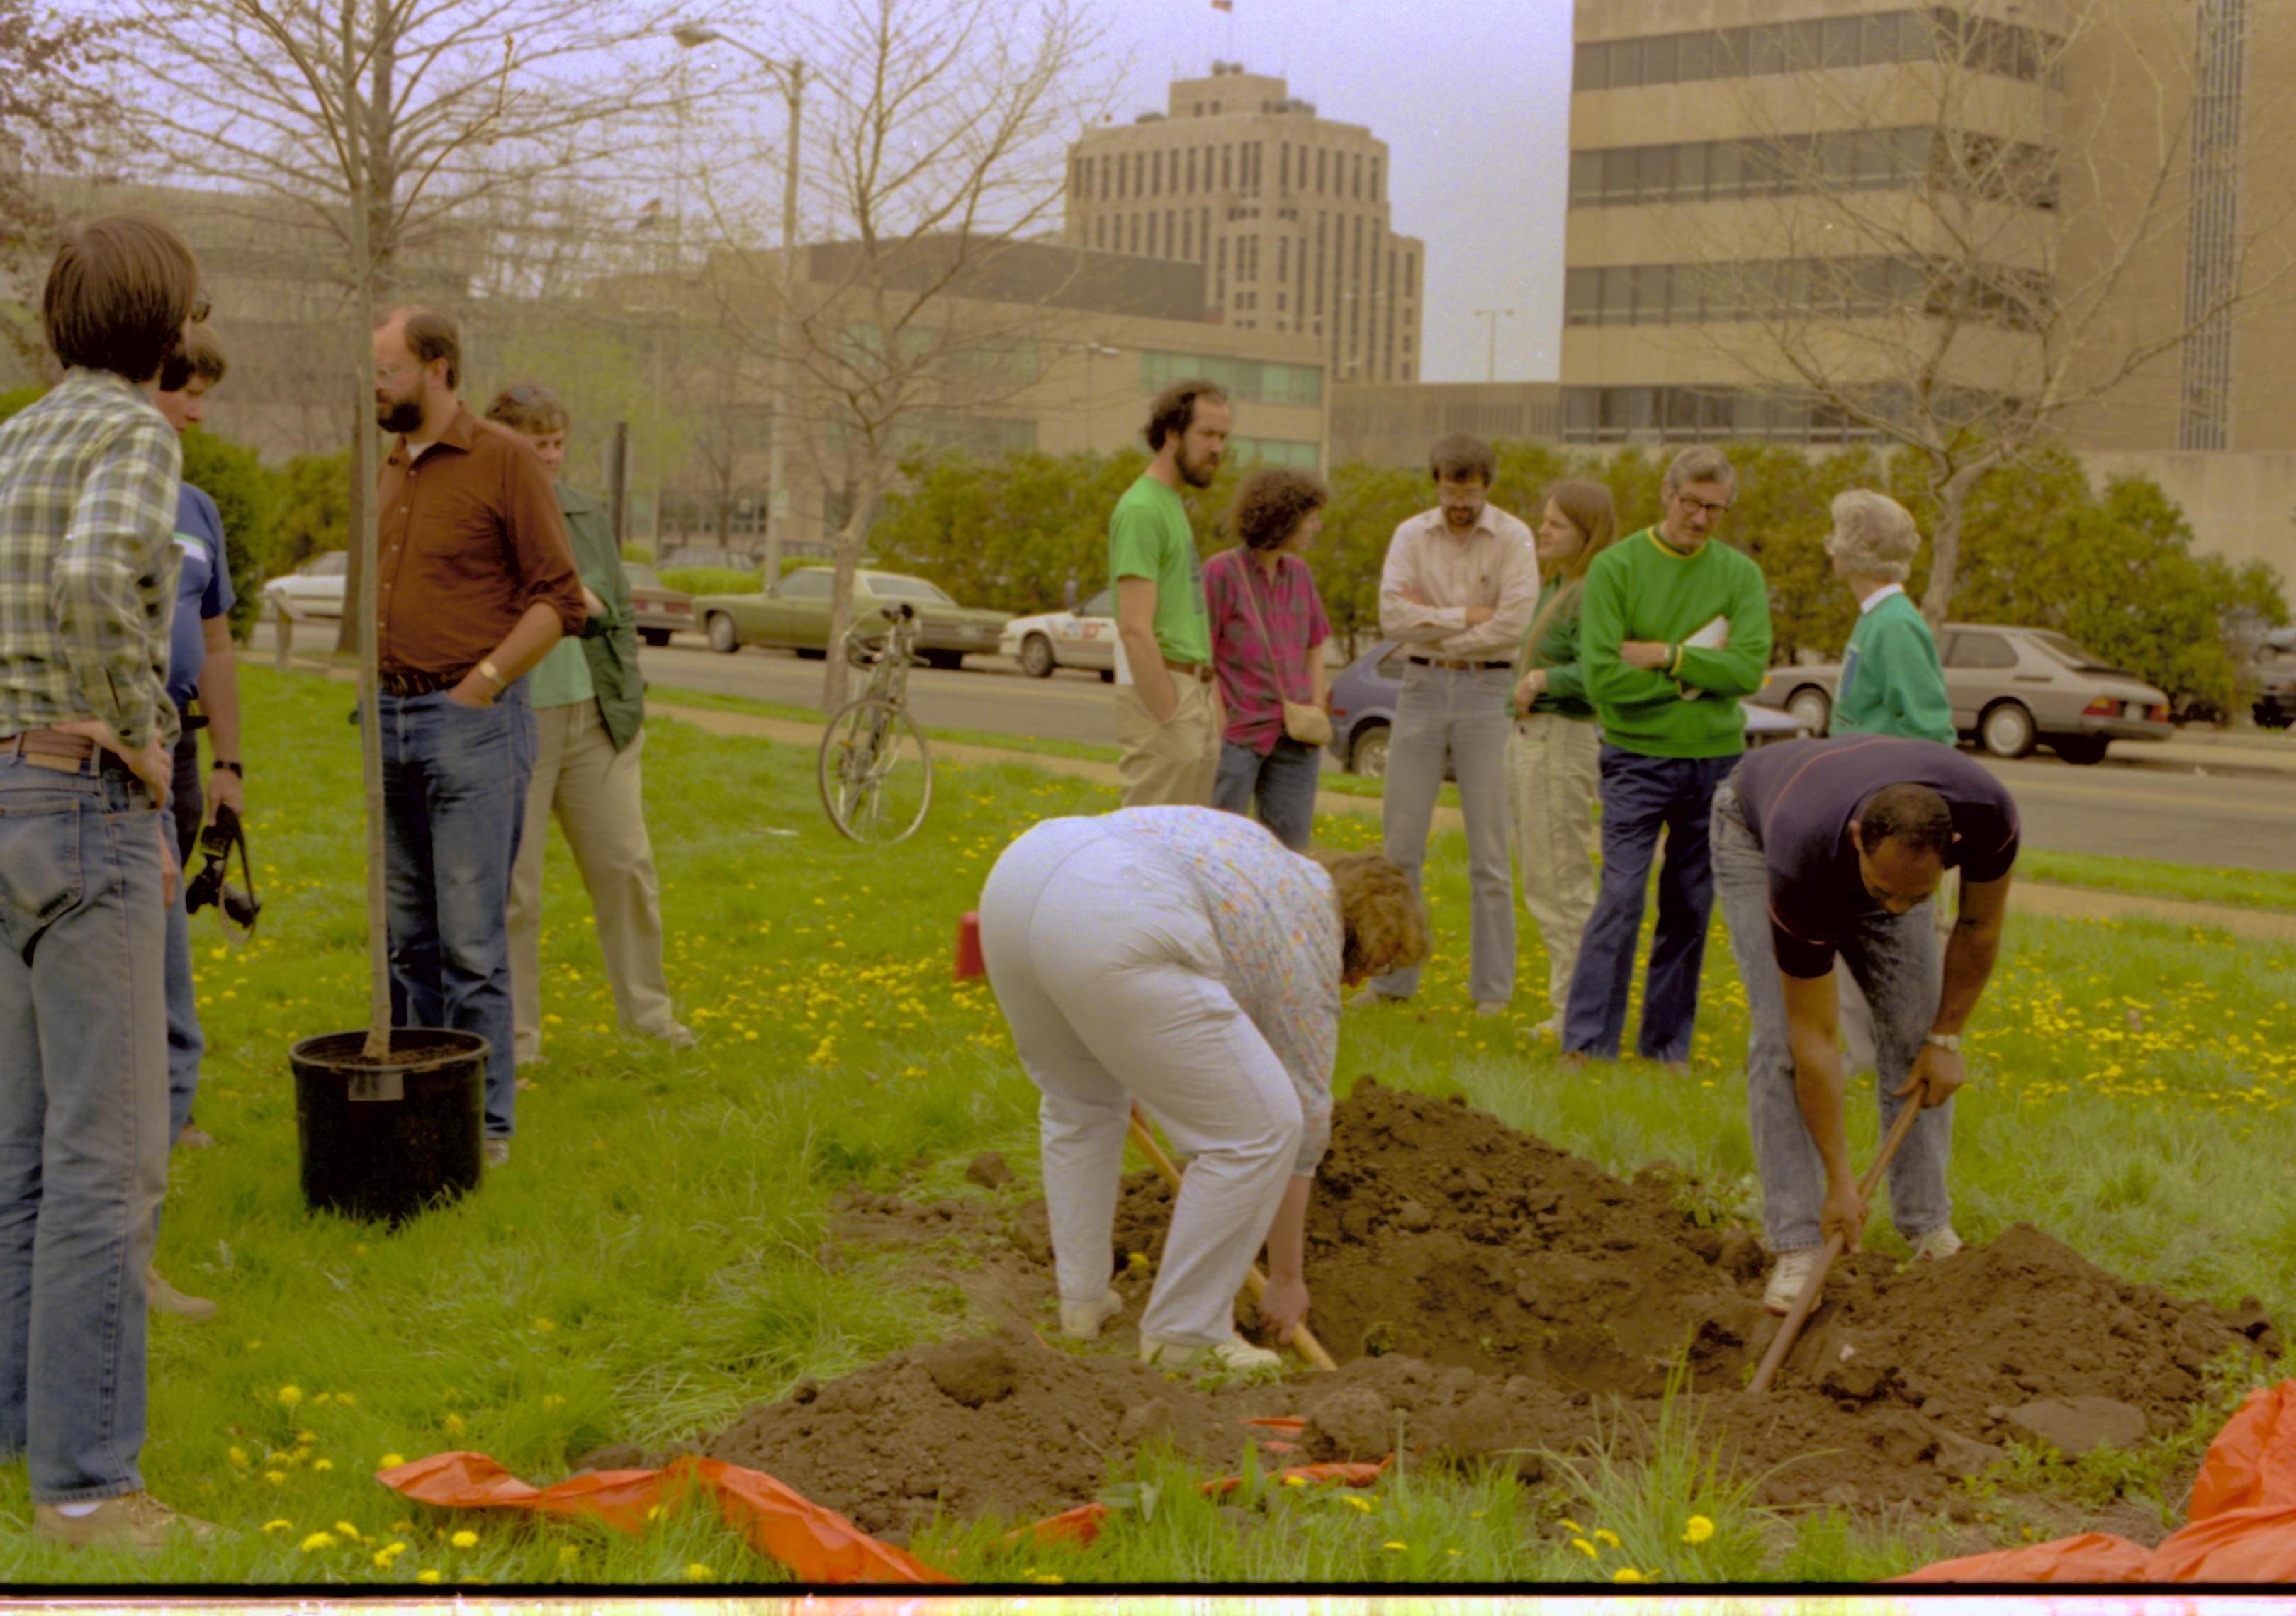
(1185, 959)
(1835, 847)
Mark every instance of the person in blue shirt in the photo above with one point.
(202, 670)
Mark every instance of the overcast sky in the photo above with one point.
(1473, 98)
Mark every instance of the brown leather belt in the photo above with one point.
(1456, 665)
(49, 749)
(413, 683)
(1201, 672)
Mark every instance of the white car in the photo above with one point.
(1083, 638)
(313, 589)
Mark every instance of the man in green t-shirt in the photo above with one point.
(1168, 704)
(1675, 629)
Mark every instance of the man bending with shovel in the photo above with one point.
(1834, 846)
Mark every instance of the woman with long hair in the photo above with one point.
(1551, 756)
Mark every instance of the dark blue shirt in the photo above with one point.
(203, 590)
(1799, 798)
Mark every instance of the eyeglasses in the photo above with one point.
(384, 372)
(1714, 512)
(200, 308)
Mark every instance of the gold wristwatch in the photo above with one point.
(493, 674)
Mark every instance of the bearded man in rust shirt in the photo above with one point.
(476, 581)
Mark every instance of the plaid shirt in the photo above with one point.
(1296, 628)
(88, 560)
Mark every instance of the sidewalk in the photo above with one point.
(2032, 897)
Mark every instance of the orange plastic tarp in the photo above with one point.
(819, 1544)
(2242, 1529)
(1082, 1523)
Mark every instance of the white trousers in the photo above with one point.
(1105, 963)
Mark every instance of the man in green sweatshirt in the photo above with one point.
(1674, 630)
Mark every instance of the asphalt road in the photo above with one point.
(2120, 809)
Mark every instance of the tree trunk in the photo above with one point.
(1952, 493)
(850, 540)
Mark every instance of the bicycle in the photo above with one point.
(874, 769)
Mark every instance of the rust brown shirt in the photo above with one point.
(469, 536)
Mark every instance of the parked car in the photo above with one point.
(1083, 638)
(2274, 669)
(1363, 711)
(2012, 688)
(661, 610)
(313, 589)
(795, 616)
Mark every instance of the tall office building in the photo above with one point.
(1758, 187)
(1288, 213)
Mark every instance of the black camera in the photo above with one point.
(210, 886)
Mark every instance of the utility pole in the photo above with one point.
(791, 76)
(1491, 317)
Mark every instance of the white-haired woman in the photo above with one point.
(1891, 681)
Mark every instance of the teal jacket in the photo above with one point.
(1891, 681)
(610, 643)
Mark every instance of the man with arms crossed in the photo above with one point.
(87, 870)
(476, 584)
(1459, 588)
(1827, 847)
(1168, 715)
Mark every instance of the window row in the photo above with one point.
(1235, 170)
(1245, 380)
(1925, 34)
(1620, 413)
(1833, 161)
(1838, 288)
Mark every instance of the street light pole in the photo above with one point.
(791, 76)
(1491, 317)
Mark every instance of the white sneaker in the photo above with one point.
(1938, 1242)
(1233, 1353)
(1551, 1028)
(1788, 1278)
(497, 1151)
(1365, 998)
(1080, 1321)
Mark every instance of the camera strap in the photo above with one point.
(216, 843)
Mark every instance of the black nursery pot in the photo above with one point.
(384, 1140)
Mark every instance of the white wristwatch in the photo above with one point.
(1948, 1041)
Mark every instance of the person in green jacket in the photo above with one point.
(1891, 681)
(1675, 628)
(1550, 756)
(589, 716)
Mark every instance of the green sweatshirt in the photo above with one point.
(1557, 651)
(1891, 684)
(1638, 589)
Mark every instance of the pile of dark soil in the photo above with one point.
(1493, 1298)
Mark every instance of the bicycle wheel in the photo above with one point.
(874, 771)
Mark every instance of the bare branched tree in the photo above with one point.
(48, 106)
(2012, 228)
(934, 150)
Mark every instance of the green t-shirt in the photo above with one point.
(562, 677)
(1891, 683)
(1556, 624)
(1639, 589)
(1149, 536)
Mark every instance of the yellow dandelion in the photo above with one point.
(322, 1464)
(278, 1526)
(1295, 1481)
(553, 1400)
(429, 1575)
(392, 1460)
(277, 1478)
(1627, 1573)
(1395, 1546)
(568, 1554)
(453, 1424)
(1603, 1535)
(347, 1530)
(1352, 1502)
(316, 1541)
(545, 1324)
(1585, 1548)
(1698, 1529)
(238, 1457)
(1048, 1578)
(464, 1540)
(1568, 1525)
(699, 1573)
(289, 1396)
(304, 1439)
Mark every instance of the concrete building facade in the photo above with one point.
(1287, 212)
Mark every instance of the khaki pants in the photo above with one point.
(1550, 764)
(594, 791)
(1172, 763)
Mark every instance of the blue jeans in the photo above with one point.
(187, 1044)
(454, 801)
(1283, 780)
(83, 1119)
(1459, 716)
(1641, 798)
(1894, 959)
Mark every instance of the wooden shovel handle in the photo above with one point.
(1800, 1313)
(1255, 1283)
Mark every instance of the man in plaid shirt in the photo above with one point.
(87, 587)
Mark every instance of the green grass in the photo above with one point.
(2156, 878)
(644, 1267)
(712, 580)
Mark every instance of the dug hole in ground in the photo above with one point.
(1493, 1300)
